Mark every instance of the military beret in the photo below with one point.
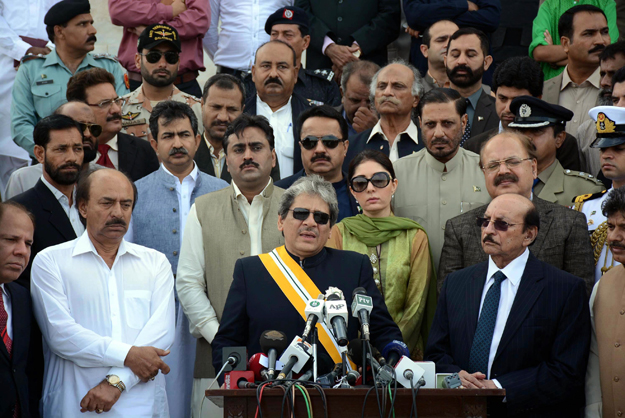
(610, 123)
(287, 15)
(531, 112)
(156, 34)
(66, 10)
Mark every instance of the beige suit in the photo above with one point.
(430, 195)
(561, 186)
(551, 89)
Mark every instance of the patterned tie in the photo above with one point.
(3, 326)
(467, 131)
(104, 159)
(480, 350)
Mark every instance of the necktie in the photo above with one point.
(467, 131)
(3, 326)
(104, 159)
(536, 180)
(480, 350)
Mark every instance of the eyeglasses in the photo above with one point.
(105, 104)
(153, 57)
(379, 180)
(329, 141)
(95, 130)
(302, 214)
(509, 162)
(497, 223)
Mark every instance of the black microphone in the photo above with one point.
(352, 377)
(336, 315)
(394, 351)
(273, 343)
(362, 305)
(314, 312)
(329, 380)
(384, 373)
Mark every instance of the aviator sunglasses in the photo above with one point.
(153, 57)
(497, 223)
(302, 214)
(379, 180)
(329, 141)
(95, 130)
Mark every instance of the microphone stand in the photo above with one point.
(314, 345)
(364, 362)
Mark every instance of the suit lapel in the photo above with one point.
(551, 89)
(474, 298)
(483, 112)
(58, 218)
(127, 152)
(546, 218)
(20, 318)
(203, 158)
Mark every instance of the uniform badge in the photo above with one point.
(604, 124)
(43, 76)
(590, 222)
(288, 14)
(477, 189)
(525, 111)
(130, 115)
(593, 212)
(480, 118)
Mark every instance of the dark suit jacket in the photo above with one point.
(205, 164)
(372, 23)
(567, 154)
(358, 143)
(485, 116)
(136, 156)
(562, 241)
(541, 358)
(298, 105)
(13, 373)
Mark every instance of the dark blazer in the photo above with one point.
(13, 370)
(485, 116)
(136, 156)
(298, 105)
(205, 164)
(255, 303)
(358, 143)
(542, 356)
(567, 154)
(372, 23)
(562, 241)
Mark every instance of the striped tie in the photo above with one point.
(3, 326)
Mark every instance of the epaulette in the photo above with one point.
(106, 56)
(581, 199)
(191, 97)
(325, 74)
(583, 175)
(30, 57)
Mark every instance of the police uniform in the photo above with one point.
(137, 109)
(41, 81)
(554, 184)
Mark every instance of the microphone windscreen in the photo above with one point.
(333, 296)
(254, 365)
(273, 339)
(359, 291)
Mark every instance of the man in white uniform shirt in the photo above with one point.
(106, 311)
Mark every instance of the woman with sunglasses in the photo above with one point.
(397, 247)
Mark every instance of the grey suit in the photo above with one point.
(562, 241)
(551, 89)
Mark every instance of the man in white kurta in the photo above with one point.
(106, 311)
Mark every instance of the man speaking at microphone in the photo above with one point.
(270, 291)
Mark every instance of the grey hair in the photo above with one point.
(417, 81)
(313, 185)
(364, 69)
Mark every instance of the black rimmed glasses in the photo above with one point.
(328, 141)
(302, 214)
(379, 180)
(153, 57)
(95, 130)
(497, 223)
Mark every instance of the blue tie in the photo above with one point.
(480, 350)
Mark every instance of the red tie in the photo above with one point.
(104, 159)
(3, 326)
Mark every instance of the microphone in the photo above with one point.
(352, 377)
(336, 315)
(362, 305)
(329, 380)
(406, 371)
(273, 343)
(255, 365)
(384, 373)
(314, 312)
(295, 357)
(394, 351)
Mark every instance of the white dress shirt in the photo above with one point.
(192, 263)
(509, 287)
(6, 299)
(113, 152)
(71, 212)
(242, 30)
(183, 191)
(23, 18)
(411, 130)
(282, 123)
(91, 315)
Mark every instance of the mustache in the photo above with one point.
(249, 162)
(617, 244)
(273, 80)
(69, 165)
(463, 67)
(598, 48)
(219, 123)
(92, 38)
(489, 238)
(506, 177)
(161, 70)
(389, 99)
(318, 157)
(440, 141)
(114, 116)
(116, 221)
(181, 150)
(307, 229)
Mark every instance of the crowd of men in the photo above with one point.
(144, 216)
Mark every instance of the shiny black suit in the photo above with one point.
(136, 156)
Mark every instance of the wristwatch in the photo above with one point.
(114, 381)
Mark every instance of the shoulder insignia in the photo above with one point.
(130, 115)
(105, 56)
(326, 74)
(191, 99)
(581, 199)
(31, 57)
(126, 81)
(585, 176)
(314, 102)
(126, 122)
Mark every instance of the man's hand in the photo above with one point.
(472, 6)
(412, 32)
(364, 119)
(489, 384)
(137, 30)
(178, 6)
(145, 362)
(100, 398)
(548, 38)
(34, 50)
(472, 381)
(341, 54)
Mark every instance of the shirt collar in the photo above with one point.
(500, 127)
(56, 192)
(594, 79)
(547, 172)
(193, 174)
(450, 165)
(265, 106)
(473, 99)
(237, 191)
(411, 130)
(84, 245)
(513, 271)
(211, 148)
(3, 290)
(113, 143)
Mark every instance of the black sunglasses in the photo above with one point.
(379, 180)
(95, 130)
(153, 57)
(329, 141)
(302, 214)
(497, 223)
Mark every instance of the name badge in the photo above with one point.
(43, 82)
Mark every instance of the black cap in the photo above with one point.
(66, 10)
(531, 112)
(157, 34)
(287, 15)
(610, 125)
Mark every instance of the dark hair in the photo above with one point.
(443, 95)
(79, 83)
(83, 188)
(303, 30)
(363, 68)
(50, 30)
(224, 82)
(427, 38)
(4, 206)
(171, 110)
(485, 45)
(521, 73)
(245, 121)
(557, 129)
(615, 203)
(527, 143)
(531, 219)
(618, 77)
(612, 50)
(370, 155)
(280, 42)
(41, 134)
(565, 23)
(323, 111)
